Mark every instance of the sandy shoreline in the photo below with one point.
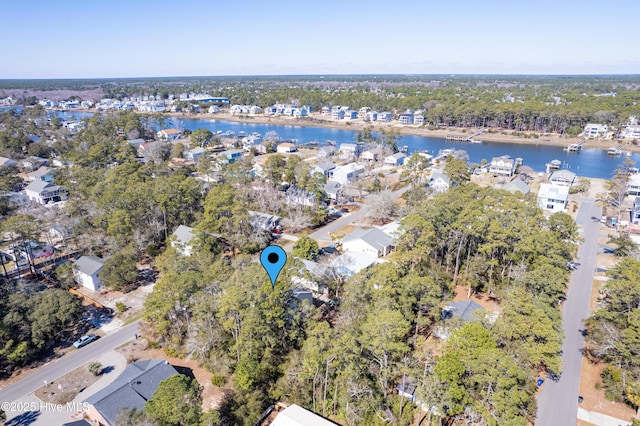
(317, 120)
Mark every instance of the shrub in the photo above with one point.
(121, 307)
(218, 380)
(95, 368)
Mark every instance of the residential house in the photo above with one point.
(439, 182)
(299, 197)
(325, 168)
(43, 173)
(634, 216)
(348, 264)
(350, 114)
(195, 153)
(264, 221)
(286, 147)
(372, 116)
(371, 155)
(294, 415)
(594, 130)
(396, 159)
(169, 134)
(309, 276)
(43, 192)
(231, 155)
(363, 112)
(333, 190)
(392, 229)
(347, 173)
(419, 119)
(213, 109)
(631, 132)
(406, 117)
(562, 177)
(182, 240)
(553, 197)
(517, 185)
(349, 151)
(384, 116)
(326, 151)
(337, 114)
(129, 391)
(6, 162)
(371, 241)
(407, 390)
(465, 310)
(633, 188)
(135, 143)
(86, 270)
(147, 149)
(503, 165)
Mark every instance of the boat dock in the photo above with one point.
(615, 152)
(464, 138)
(575, 147)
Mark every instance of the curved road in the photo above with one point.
(68, 362)
(558, 400)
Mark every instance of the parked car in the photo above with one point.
(84, 340)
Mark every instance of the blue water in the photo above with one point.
(590, 162)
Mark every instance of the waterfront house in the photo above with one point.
(348, 173)
(562, 177)
(43, 192)
(396, 159)
(631, 132)
(286, 147)
(371, 155)
(439, 182)
(337, 114)
(384, 116)
(503, 165)
(349, 151)
(213, 109)
(633, 188)
(553, 197)
(129, 391)
(372, 116)
(634, 216)
(406, 117)
(325, 168)
(333, 190)
(362, 112)
(594, 130)
(418, 119)
(516, 185)
(169, 134)
(373, 241)
(86, 270)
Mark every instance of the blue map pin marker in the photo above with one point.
(273, 259)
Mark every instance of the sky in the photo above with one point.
(157, 38)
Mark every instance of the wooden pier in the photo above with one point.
(463, 138)
(575, 147)
(615, 152)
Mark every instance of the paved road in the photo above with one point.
(558, 401)
(67, 363)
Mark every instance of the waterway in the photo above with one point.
(590, 162)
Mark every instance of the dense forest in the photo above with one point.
(558, 104)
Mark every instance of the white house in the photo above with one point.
(43, 173)
(86, 271)
(371, 155)
(373, 241)
(347, 173)
(43, 192)
(294, 415)
(406, 117)
(553, 197)
(594, 130)
(169, 134)
(349, 151)
(562, 177)
(631, 132)
(348, 264)
(396, 159)
(503, 165)
(286, 147)
(333, 190)
(325, 168)
(309, 276)
(439, 182)
(634, 185)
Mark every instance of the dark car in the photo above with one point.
(84, 340)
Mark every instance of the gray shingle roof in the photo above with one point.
(38, 186)
(464, 309)
(131, 389)
(183, 235)
(89, 264)
(374, 237)
(517, 185)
